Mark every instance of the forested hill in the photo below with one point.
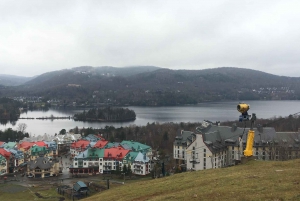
(158, 86)
(12, 80)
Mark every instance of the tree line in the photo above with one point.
(106, 114)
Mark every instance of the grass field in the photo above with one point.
(255, 180)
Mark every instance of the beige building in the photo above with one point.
(215, 146)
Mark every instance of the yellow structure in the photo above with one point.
(249, 145)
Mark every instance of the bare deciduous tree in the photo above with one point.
(21, 127)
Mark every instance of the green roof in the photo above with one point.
(131, 156)
(92, 152)
(36, 150)
(136, 146)
(10, 145)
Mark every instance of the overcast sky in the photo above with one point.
(41, 36)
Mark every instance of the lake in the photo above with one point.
(213, 111)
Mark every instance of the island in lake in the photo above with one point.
(107, 114)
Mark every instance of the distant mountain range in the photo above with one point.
(150, 85)
(12, 80)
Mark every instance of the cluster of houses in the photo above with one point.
(215, 146)
(41, 156)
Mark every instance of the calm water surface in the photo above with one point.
(214, 111)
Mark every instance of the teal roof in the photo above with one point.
(91, 153)
(10, 145)
(80, 186)
(36, 150)
(136, 146)
(112, 144)
(131, 156)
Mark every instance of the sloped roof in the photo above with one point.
(183, 137)
(41, 144)
(218, 137)
(131, 156)
(112, 144)
(115, 152)
(1, 143)
(25, 145)
(100, 144)
(10, 145)
(40, 162)
(35, 150)
(81, 143)
(4, 153)
(79, 185)
(91, 152)
(135, 146)
(142, 158)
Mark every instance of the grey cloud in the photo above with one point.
(40, 36)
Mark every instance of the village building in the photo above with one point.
(87, 161)
(137, 146)
(215, 146)
(42, 167)
(138, 162)
(37, 151)
(78, 147)
(17, 158)
(112, 159)
(182, 141)
(3, 165)
(6, 159)
(100, 144)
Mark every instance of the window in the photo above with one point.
(84, 163)
(75, 163)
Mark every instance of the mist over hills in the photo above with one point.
(12, 80)
(150, 85)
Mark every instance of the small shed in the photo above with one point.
(80, 187)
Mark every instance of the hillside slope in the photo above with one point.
(153, 86)
(255, 180)
(12, 80)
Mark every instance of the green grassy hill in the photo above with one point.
(255, 180)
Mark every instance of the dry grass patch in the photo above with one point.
(256, 180)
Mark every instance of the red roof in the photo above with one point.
(80, 144)
(5, 153)
(101, 138)
(115, 152)
(100, 144)
(1, 143)
(26, 145)
(41, 144)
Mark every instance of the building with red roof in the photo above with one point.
(25, 146)
(1, 143)
(100, 144)
(5, 153)
(112, 159)
(41, 144)
(79, 146)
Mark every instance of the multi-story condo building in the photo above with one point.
(215, 146)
